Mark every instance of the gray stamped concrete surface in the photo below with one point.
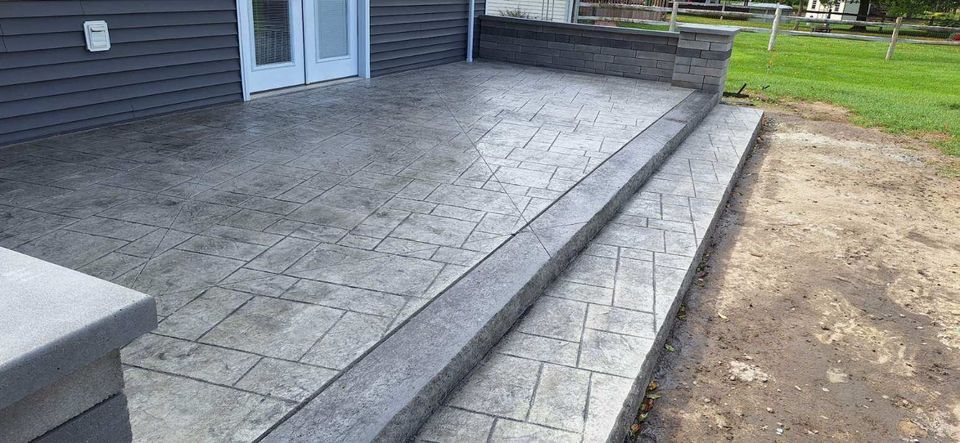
(568, 368)
(284, 237)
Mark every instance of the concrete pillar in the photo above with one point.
(60, 336)
(703, 56)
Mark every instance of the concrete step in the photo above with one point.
(393, 389)
(575, 366)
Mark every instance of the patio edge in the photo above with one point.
(390, 392)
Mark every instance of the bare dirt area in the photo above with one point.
(829, 307)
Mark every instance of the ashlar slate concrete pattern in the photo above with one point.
(284, 237)
(567, 369)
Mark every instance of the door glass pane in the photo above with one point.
(271, 31)
(332, 28)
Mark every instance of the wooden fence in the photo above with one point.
(613, 11)
(628, 12)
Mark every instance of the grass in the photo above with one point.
(918, 92)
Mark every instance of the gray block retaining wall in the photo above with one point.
(695, 57)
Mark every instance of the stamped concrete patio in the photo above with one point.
(589, 343)
(284, 237)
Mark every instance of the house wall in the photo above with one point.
(409, 34)
(166, 55)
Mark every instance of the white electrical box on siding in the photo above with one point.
(97, 35)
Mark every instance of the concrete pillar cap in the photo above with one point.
(708, 29)
(54, 320)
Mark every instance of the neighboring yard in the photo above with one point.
(918, 92)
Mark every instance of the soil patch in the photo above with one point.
(830, 304)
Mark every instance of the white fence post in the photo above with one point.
(576, 11)
(775, 29)
(893, 38)
(673, 16)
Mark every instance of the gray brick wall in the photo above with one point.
(695, 59)
(647, 55)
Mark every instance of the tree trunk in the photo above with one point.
(862, 15)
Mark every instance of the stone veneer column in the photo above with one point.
(703, 56)
(60, 335)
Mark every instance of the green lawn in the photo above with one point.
(916, 92)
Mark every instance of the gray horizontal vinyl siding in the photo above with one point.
(409, 34)
(166, 55)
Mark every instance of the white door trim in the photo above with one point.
(242, 47)
(363, 42)
(281, 74)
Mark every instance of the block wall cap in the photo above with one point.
(54, 320)
(577, 26)
(708, 29)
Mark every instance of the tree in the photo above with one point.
(863, 13)
(911, 8)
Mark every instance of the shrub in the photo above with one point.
(948, 19)
(955, 37)
(518, 13)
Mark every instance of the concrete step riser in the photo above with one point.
(389, 393)
(685, 114)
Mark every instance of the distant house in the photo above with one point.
(836, 11)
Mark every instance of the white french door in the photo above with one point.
(330, 42)
(293, 42)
